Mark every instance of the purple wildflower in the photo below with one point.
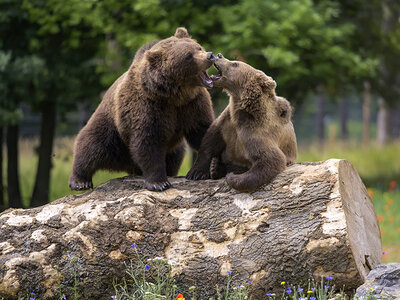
(147, 267)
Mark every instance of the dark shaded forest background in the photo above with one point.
(336, 61)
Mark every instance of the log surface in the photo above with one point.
(314, 219)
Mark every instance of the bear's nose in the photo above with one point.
(210, 56)
(219, 55)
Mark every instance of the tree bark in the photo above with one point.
(313, 219)
(366, 112)
(40, 194)
(13, 190)
(383, 122)
(320, 115)
(343, 111)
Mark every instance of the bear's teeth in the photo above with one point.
(206, 80)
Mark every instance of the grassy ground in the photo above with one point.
(379, 167)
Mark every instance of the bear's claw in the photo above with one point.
(81, 185)
(157, 186)
(196, 174)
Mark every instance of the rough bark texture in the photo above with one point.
(314, 219)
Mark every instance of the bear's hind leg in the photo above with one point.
(267, 163)
(174, 160)
(97, 147)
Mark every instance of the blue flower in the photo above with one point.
(134, 246)
(147, 267)
(312, 298)
(289, 291)
(250, 282)
(33, 293)
(326, 287)
(229, 271)
(300, 290)
(329, 277)
(269, 294)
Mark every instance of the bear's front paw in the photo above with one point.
(198, 174)
(157, 186)
(80, 185)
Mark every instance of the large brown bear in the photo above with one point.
(141, 125)
(253, 139)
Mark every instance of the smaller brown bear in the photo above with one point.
(253, 139)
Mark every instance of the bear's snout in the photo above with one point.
(210, 56)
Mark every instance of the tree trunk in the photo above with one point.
(13, 190)
(2, 202)
(383, 122)
(395, 118)
(40, 194)
(320, 114)
(314, 219)
(366, 112)
(343, 111)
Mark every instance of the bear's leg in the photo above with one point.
(98, 146)
(268, 161)
(150, 155)
(217, 168)
(212, 145)
(174, 159)
(197, 117)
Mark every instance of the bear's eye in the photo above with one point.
(234, 65)
(189, 56)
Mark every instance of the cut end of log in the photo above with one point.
(314, 219)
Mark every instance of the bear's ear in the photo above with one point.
(181, 32)
(154, 57)
(257, 85)
(266, 82)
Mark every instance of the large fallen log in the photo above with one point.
(314, 219)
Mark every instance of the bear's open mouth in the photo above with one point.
(218, 76)
(206, 79)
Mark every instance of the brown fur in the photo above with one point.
(254, 134)
(147, 114)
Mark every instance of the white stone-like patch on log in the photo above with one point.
(14, 220)
(10, 284)
(38, 235)
(324, 243)
(335, 219)
(89, 210)
(332, 165)
(48, 212)
(245, 202)
(225, 267)
(131, 214)
(167, 195)
(133, 236)
(116, 254)
(6, 247)
(184, 217)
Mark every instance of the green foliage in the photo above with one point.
(301, 43)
